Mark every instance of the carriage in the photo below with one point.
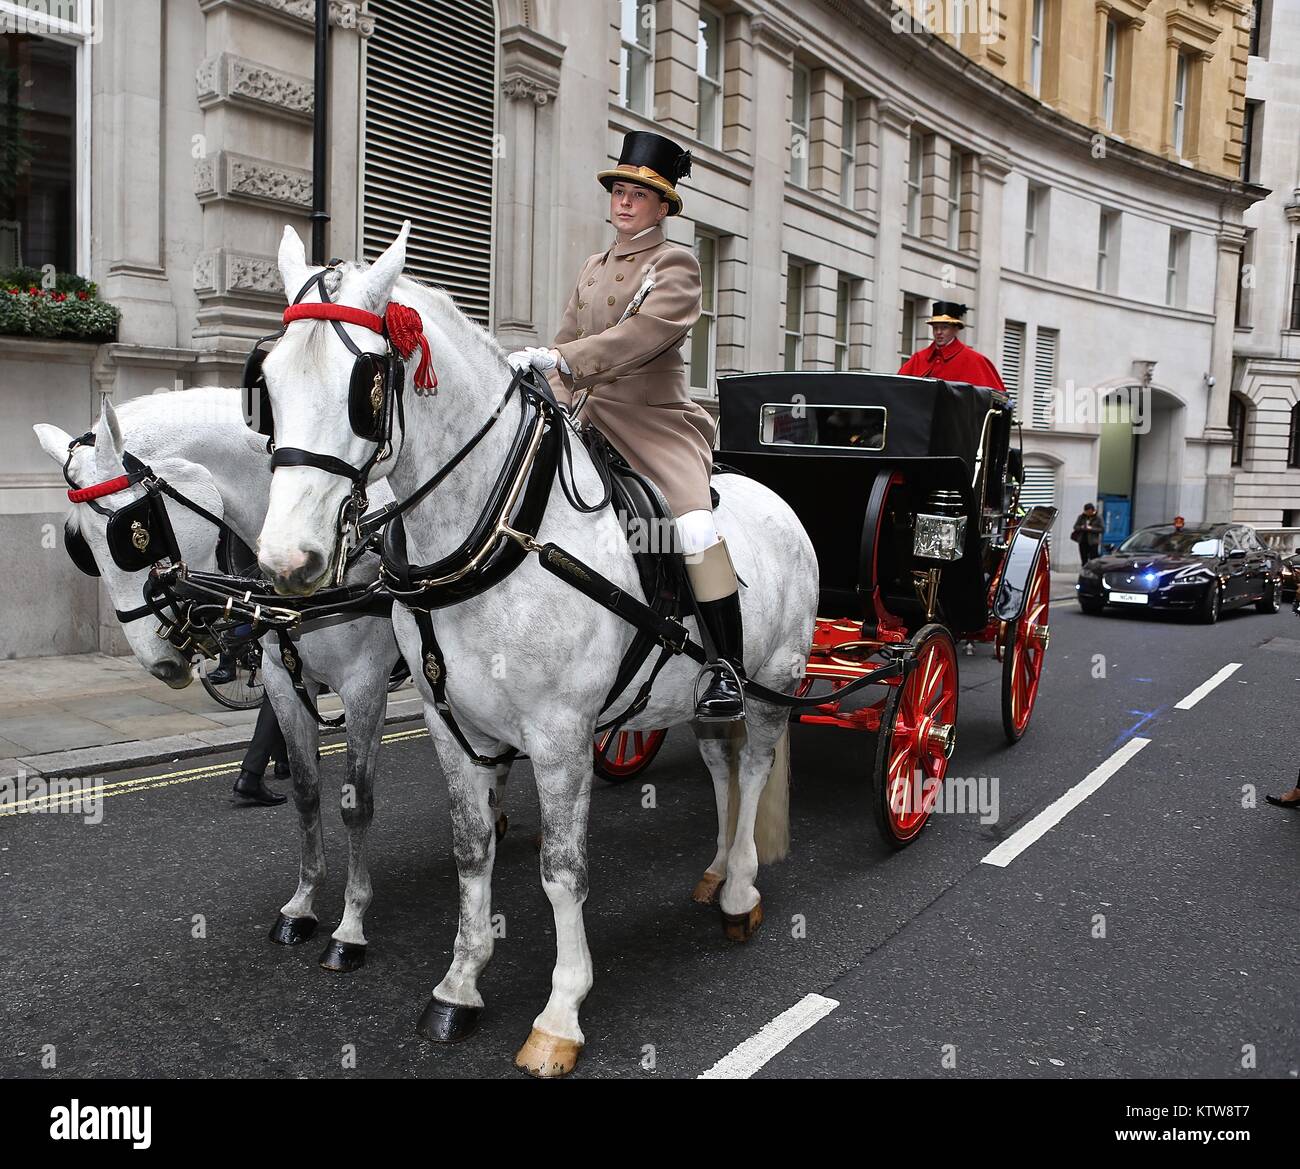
(909, 489)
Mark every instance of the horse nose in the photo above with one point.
(176, 674)
(296, 572)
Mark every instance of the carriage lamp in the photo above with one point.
(940, 532)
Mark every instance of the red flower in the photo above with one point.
(35, 292)
(13, 292)
(59, 296)
(83, 295)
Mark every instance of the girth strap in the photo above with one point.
(293, 663)
(434, 668)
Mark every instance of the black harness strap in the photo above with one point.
(291, 662)
(434, 668)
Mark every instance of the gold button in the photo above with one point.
(591, 282)
(582, 304)
(581, 332)
(611, 300)
(619, 276)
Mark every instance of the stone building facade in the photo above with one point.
(851, 164)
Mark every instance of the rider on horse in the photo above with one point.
(620, 340)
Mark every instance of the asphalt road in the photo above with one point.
(941, 965)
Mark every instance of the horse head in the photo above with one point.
(138, 533)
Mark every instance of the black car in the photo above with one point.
(1290, 576)
(1200, 569)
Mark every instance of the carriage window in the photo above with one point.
(858, 428)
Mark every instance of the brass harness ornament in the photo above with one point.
(139, 535)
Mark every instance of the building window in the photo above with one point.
(1176, 268)
(1180, 104)
(1295, 290)
(915, 335)
(1249, 172)
(636, 57)
(1035, 229)
(849, 151)
(956, 196)
(915, 151)
(1293, 445)
(843, 291)
(1036, 48)
(1260, 11)
(1109, 61)
(708, 64)
(704, 333)
(1246, 282)
(1013, 362)
(799, 127)
(794, 316)
(1047, 344)
(1238, 408)
(44, 119)
(1107, 251)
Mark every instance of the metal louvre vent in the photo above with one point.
(430, 121)
(1045, 350)
(1013, 363)
(1039, 487)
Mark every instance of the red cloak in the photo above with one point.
(955, 362)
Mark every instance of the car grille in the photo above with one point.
(1129, 582)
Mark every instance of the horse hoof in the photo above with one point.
(706, 892)
(447, 1022)
(503, 822)
(547, 1056)
(343, 957)
(292, 931)
(740, 927)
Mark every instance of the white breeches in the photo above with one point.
(697, 532)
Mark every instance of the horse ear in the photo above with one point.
(383, 273)
(108, 444)
(294, 268)
(54, 442)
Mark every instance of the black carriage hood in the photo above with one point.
(926, 417)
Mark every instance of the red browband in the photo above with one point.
(99, 490)
(401, 325)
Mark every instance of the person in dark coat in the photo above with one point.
(1087, 534)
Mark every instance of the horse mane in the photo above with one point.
(437, 304)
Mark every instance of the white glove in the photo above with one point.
(540, 359)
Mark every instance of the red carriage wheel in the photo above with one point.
(622, 754)
(918, 730)
(1025, 646)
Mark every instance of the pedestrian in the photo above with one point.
(1178, 523)
(1087, 533)
(267, 743)
(620, 339)
(947, 357)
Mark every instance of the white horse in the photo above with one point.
(530, 661)
(197, 440)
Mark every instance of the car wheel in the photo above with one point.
(1091, 607)
(1270, 602)
(1208, 610)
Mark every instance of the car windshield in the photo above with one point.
(1170, 543)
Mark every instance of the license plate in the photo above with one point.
(1130, 598)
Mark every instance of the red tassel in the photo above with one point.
(405, 331)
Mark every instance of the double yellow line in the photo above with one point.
(167, 779)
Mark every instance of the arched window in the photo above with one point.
(429, 124)
(1293, 446)
(1238, 409)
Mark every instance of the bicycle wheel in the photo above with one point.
(244, 691)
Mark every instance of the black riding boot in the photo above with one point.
(224, 672)
(716, 589)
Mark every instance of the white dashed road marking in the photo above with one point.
(773, 1039)
(1205, 687)
(1055, 812)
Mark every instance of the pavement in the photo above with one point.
(1151, 932)
(86, 713)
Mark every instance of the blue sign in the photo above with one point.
(1116, 518)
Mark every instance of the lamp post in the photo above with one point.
(320, 156)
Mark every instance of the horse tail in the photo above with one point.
(772, 824)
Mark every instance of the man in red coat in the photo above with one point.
(948, 358)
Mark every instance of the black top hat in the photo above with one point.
(653, 161)
(947, 312)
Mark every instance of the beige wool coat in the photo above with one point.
(634, 370)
